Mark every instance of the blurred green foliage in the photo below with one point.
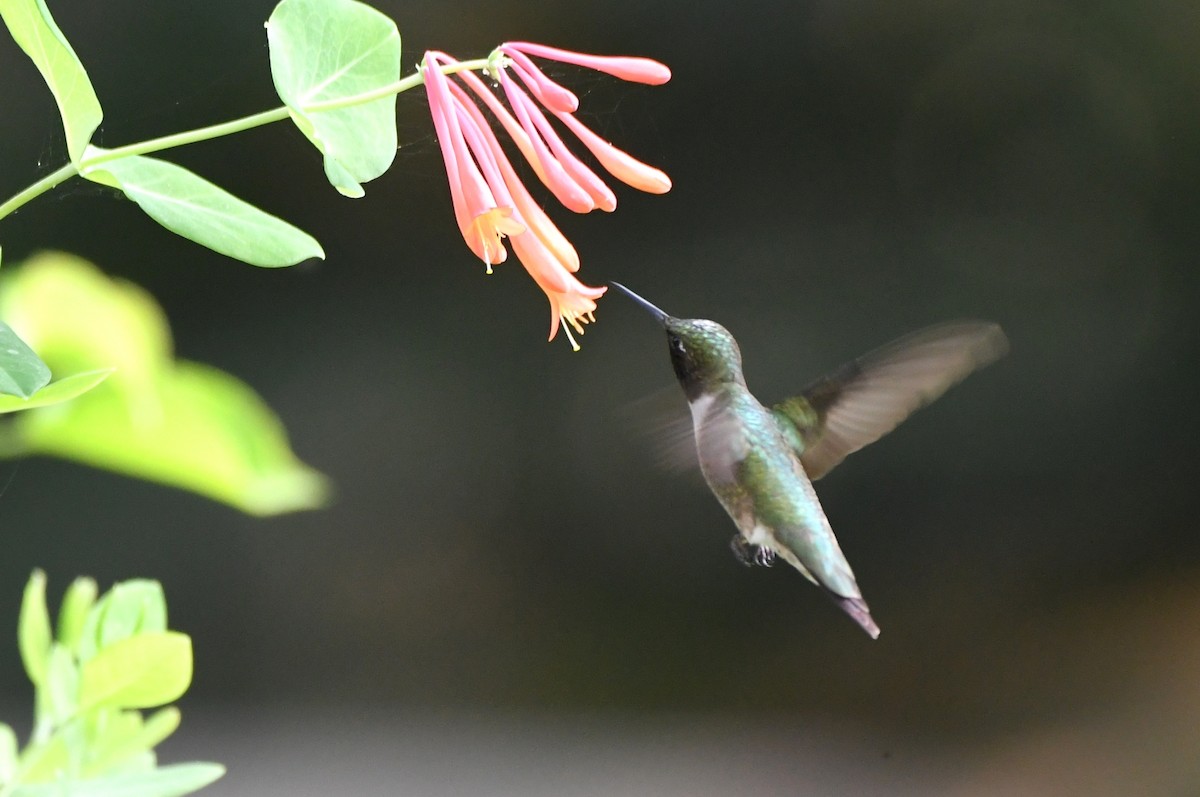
(175, 422)
(110, 658)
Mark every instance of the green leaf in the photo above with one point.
(126, 736)
(158, 727)
(139, 672)
(73, 614)
(8, 754)
(33, 28)
(33, 629)
(180, 424)
(57, 302)
(103, 730)
(327, 50)
(61, 686)
(22, 373)
(63, 390)
(191, 206)
(44, 761)
(131, 607)
(214, 436)
(170, 781)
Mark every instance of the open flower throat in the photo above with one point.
(490, 201)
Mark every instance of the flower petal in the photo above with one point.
(561, 184)
(541, 263)
(601, 195)
(529, 212)
(620, 164)
(461, 171)
(548, 93)
(633, 69)
(569, 298)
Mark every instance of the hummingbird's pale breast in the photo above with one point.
(753, 471)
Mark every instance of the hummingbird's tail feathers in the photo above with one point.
(857, 609)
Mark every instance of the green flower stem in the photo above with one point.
(190, 136)
(224, 129)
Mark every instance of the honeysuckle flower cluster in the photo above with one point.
(491, 203)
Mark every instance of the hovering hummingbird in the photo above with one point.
(760, 462)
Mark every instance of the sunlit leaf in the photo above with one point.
(22, 372)
(61, 685)
(77, 603)
(58, 302)
(43, 761)
(33, 629)
(176, 423)
(191, 206)
(131, 607)
(170, 781)
(34, 30)
(63, 390)
(139, 672)
(215, 437)
(325, 50)
(106, 728)
(8, 754)
(134, 737)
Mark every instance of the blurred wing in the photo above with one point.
(664, 419)
(868, 397)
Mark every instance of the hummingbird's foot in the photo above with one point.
(743, 551)
(751, 555)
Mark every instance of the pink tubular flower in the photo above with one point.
(570, 299)
(491, 203)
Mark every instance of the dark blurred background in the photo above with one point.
(509, 596)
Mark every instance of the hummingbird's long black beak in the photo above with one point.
(654, 311)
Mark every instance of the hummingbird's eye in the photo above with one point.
(676, 344)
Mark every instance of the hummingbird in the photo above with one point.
(760, 462)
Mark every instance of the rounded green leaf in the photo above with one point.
(191, 206)
(34, 30)
(33, 629)
(138, 672)
(22, 373)
(323, 51)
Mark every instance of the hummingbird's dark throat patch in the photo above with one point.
(685, 368)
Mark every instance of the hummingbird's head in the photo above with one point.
(703, 352)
